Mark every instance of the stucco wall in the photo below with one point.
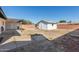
(2, 21)
(2, 24)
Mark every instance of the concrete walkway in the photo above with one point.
(13, 41)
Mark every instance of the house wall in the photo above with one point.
(3, 27)
(68, 26)
(2, 24)
(12, 26)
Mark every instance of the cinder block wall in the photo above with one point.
(68, 26)
(28, 27)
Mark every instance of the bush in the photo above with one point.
(25, 21)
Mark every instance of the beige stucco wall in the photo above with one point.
(2, 23)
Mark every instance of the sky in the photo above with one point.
(37, 13)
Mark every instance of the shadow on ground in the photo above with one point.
(7, 35)
(39, 43)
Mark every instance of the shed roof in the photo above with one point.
(46, 22)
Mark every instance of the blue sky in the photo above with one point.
(37, 13)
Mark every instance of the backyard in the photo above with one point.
(50, 34)
(31, 40)
(69, 42)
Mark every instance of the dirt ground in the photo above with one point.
(65, 43)
(59, 40)
(51, 34)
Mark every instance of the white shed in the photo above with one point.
(46, 25)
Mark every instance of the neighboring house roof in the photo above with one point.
(46, 22)
(12, 20)
(2, 14)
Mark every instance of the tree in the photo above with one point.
(25, 21)
(62, 21)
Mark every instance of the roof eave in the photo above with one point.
(3, 14)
